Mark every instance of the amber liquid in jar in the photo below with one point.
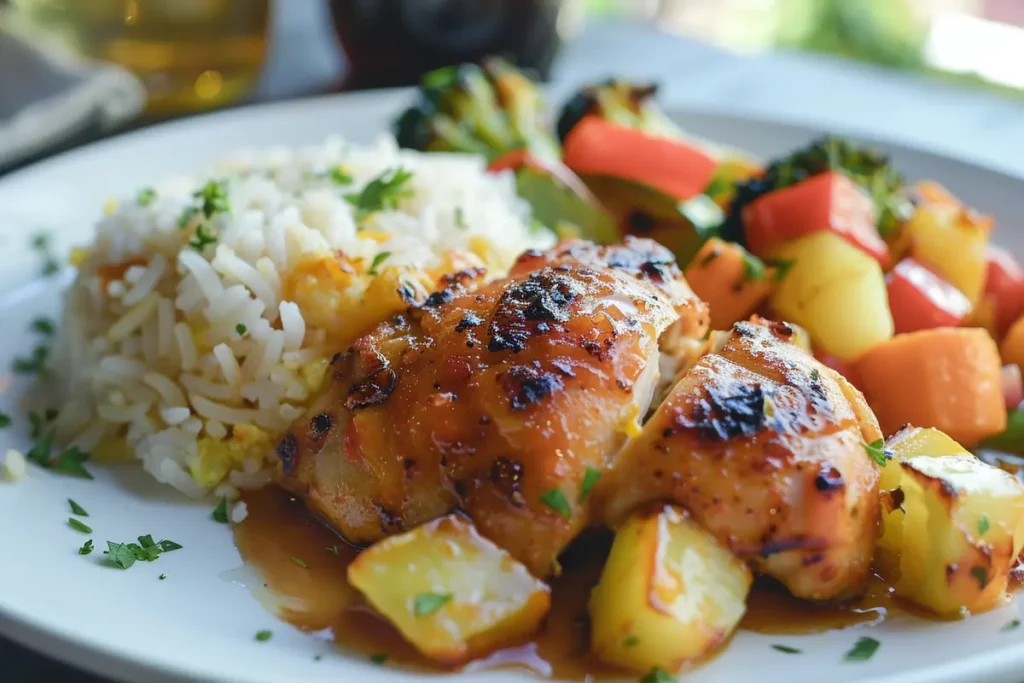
(190, 54)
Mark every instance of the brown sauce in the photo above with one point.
(317, 598)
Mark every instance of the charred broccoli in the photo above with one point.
(865, 166)
(629, 104)
(488, 110)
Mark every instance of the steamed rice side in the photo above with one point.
(195, 360)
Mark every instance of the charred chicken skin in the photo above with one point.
(499, 399)
(520, 402)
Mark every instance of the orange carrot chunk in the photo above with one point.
(595, 146)
(719, 276)
(947, 378)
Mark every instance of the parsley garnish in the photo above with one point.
(124, 555)
(203, 238)
(86, 548)
(299, 561)
(378, 658)
(590, 478)
(753, 268)
(556, 500)
(382, 193)
(79, 526)
(43, 326)
(815, 375)
(186, 216)
(787, 649)
(40, 451)
(33, 365)
(983, 525)
(630, 641)
(72, 463)
(213, 197)
(425, 604)
(263, 636)
(876, 450)
(162, 577)
(220, 513)
(658, 675)
(5, 420)
(377, 260)
(77, 509)
(1011, 626)
(317, 658)
(781, 266)
(338, 175)
(460, 218)
(146, 196)
(41, 243)
(980, 574)
(862, 650)
(241, 329)
(333, 550)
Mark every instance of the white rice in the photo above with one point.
(193, 356)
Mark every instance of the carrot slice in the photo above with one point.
(718, 276)
(827, 201)
(595, 146)
(947, 378)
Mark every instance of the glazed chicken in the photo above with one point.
(500, 399)
(524, 403)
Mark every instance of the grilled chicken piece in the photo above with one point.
(498, 399)
(764, 446)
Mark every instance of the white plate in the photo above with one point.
(197, 624)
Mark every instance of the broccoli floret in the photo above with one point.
(486, 110)
(629, 104)
(865, 166)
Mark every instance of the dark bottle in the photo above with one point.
(394, 42)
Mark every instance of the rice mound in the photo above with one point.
(195, 357)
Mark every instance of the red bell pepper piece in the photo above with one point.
(1004, 287)
(920, 300)
(827, 201)
(599, 147)
(1013, 386)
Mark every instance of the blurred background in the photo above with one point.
(165, 58)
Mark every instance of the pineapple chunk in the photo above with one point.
(669, 593)
(452, 593)
(909, 442)
(962, 532)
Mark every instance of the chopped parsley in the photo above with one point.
(146, 196)
(815, 375)
(43, 326)
(863, 650)
(317, 658)
(557, 501)
(333, 550)
(590, 478)
(658, 675)
(124, 555)
(5, 420)
(86, 548)
(263, 636)
(162, 577)
(781, 266)
(339, 176)
(39, 453)
(980, 574)
(299, 561)
(34, 364)
(203, 238)
(460, 218)
(753, 268)
(186, 216)
(41, 243)
(382, 193)
(220, 513)
(38, 422)
(787, 649)
(51, 266)
(77, 509)
(1011, 626)
(377, 260)
(241, 329)
(425, 604)
(876, 451)
(213, 198)
(983, 525)
(70, 462)
(378, 658)
(79, 526)
(630, 641)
